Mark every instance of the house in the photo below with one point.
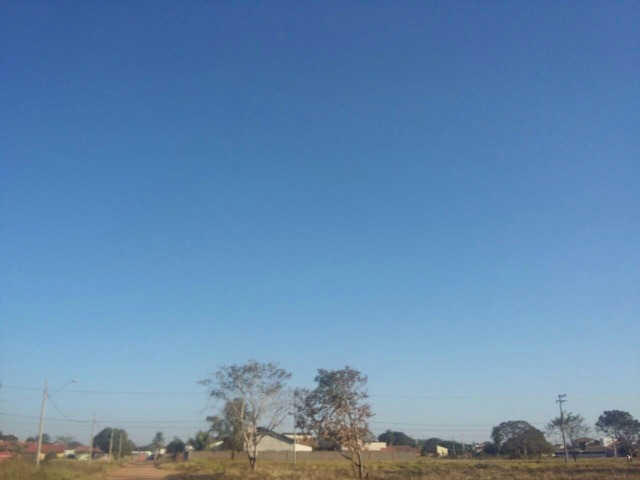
(402, 448)
(302, 439)
(56, 448)
(588, 448)
(277, 442)
(437, 451)
(374, 446)
(481, 448)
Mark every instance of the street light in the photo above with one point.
(45, 396)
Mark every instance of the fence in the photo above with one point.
(315, 456)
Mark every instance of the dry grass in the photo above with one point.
(422, 469)
(25, 469)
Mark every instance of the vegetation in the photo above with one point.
(422, 469)
(200, 441)
(257, 396)
(455, 448)
(336, 411)
(114, 441)
(158, 441)
(228, 427)
(622, 427)
(176, 446)
(24, 468)
(397, 439)
(46, 439)
(574, 427)
(518, 438)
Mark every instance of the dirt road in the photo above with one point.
(138, 470)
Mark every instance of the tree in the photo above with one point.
(574, 428)
(336, 411)
(158, 441)
(200, 441)
(257, 396)
(455, 448)
(114, 441)
(519, 438)
(228, 427)
(622, 427)
(175, 446)
(46, 439)
(64, 439)
(396, 438)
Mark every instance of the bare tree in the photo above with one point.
(257, 395)
(336, 411)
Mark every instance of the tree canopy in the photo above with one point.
(175, 446)
(257, 395)
(201, 441)
(622, 427)
(46, 439)
(574, 428)
(158, 441)
(336, 411)
(228, 427)
(397, 438)
(428, 446)
(118, 445)
(519, 438)
(64, 439)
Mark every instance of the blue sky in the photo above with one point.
(443, 195)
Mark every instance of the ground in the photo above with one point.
(139, 470)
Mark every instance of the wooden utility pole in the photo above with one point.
(45, 395)
(560, 401)
(93, 426)
(111, 443)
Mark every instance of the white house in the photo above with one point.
(276, 442)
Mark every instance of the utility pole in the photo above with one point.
(45, 394)
(560, 401)
(294, 429)
(111, 443)
(45, 397)
(120, 446)
(93, 427)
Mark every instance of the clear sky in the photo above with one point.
(443, 195)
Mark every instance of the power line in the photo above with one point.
(453, 397)
(372, 395)
(112, 392)
(114, 421)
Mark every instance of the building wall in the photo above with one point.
(315, 456)
(375, 446)
(442, 451)
(268, 444)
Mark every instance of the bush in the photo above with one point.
(50, 456)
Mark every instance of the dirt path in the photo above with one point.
(138, 470)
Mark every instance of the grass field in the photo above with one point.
(421, 469)
(25, 469)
